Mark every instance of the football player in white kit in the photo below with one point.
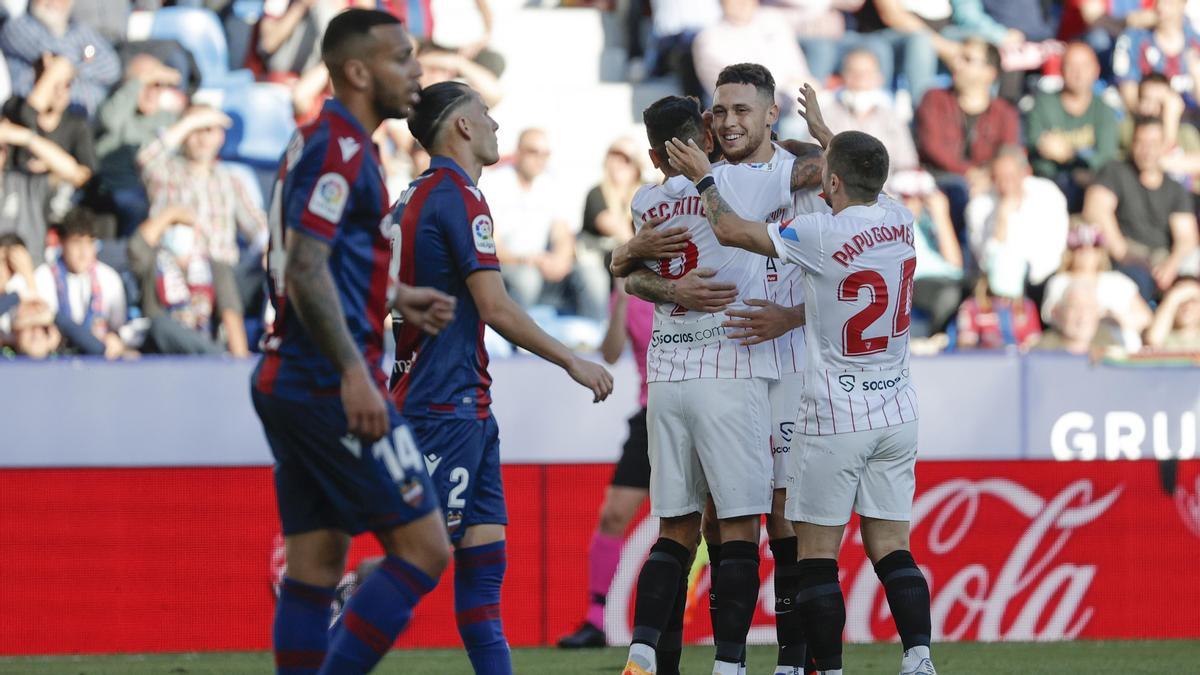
(708, 412)
(858, 424)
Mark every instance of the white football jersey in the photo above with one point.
(689, 345)
(785, 286)
(858, 280)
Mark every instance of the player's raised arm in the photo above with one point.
(311, 291)
(730, 228)
(810, 110)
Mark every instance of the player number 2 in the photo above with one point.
(854, 343)
(461, 478)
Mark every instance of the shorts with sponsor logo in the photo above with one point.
(872, 473)
(710, 436)
(463, 460)
(325, 479)
(785, 395)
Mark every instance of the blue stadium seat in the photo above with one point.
(262, 123)
(200, 32)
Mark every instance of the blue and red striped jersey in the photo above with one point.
(445, 237)
(331, 187)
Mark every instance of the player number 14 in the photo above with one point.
(854, 343)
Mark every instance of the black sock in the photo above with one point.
(738, 590)
(714, 568)
(656, 588)
(788, 631)
(908, 596)
(822, 611)
(670, 645)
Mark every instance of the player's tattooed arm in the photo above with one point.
(810, 162)
(650, 243)
(730, 228)
(311, 291)
(694, 291)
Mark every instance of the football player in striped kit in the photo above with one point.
(858, 421)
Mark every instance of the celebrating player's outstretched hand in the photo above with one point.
(810, 110)
(769, 321)
(688, 158)
(366, 413)
(426, 308)
(593, 376)
(654, 243)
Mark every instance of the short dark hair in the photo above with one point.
(78, 222)
(861, 161)
(1153, 78)
(992, 52)
(749, 73)
(351, 28)
(11, 239)
(673, 117)
(430, 114)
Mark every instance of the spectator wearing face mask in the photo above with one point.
(865, 104)
(185, 294)
(47, 28)
(86, 295)
(147, 103)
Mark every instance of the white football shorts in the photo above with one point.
(785, 396)
(872, 473)
(709, 436)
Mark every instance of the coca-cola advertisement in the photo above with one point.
(181, 559)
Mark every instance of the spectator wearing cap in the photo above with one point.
(1072, 134)
(1021, 222)
(1171, 47)
(607, 223)
(182, 170)
(86, 295)
(534, 239)
(146, 104)
(1076, 326)
(1146, 217)
(1119, 301)
(938, 280)
(865, 104)
(47, 28)
(188, 298)
(1176, 326)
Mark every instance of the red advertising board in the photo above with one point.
(142, 560)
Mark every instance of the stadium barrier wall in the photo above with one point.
(197, 412)
(182, 559)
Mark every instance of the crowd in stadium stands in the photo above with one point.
(1048, 150)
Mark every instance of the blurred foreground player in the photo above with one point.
(344, 461)
(858, 445)
(441, 382)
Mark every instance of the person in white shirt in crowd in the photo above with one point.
(1021, 221)
(1117, 295)
(864, 103)
(465, 27)
(674, 25)
(938, 280)
(534, 238)
(86, 295)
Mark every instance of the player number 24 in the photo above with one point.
(854, 343)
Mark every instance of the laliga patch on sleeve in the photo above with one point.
(329, 197)
(481, 231)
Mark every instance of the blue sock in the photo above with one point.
(301, 621)
(374, 617)
(478, 575)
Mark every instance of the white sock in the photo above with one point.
(830, 672)
(725, 668)
(915, 654)
(789, 670)
(643, 655)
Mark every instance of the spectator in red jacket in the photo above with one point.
(960, 130)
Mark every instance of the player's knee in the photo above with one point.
(422, 543)
(681, 529)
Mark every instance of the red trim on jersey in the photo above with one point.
(409, 340)
(333, 163)
(268, 372)
(376, 303)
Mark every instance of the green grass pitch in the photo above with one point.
(1062, 658)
